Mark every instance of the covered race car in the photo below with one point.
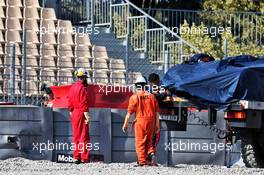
(201, 57)
(218, 83)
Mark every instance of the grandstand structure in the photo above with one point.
(37, 48)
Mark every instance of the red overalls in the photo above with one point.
(78, 104)
(146, 106)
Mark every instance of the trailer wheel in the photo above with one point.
(251, 154)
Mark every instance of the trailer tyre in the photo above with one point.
(251, 154)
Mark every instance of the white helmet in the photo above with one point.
(141, 79)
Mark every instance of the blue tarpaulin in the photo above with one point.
(219, 82)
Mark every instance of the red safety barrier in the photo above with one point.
(99, 96)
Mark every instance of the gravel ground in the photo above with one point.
(24, 166)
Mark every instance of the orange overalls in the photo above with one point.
(78, 104)
(146, 106)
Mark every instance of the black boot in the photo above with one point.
(77, 161)
(153, 159)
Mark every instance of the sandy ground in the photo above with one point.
(24, 166)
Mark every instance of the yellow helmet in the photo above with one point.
(81, 72)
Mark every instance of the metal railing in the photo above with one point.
(144, 33)
(244, 25)
(140, 30)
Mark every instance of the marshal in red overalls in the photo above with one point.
(78, 105)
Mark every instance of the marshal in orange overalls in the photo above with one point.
(78, 104)
(145, 106)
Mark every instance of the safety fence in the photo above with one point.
(21, 81)
(22, 76)
(244, 25)
(133, 25)
(144, 33)
(136, 44)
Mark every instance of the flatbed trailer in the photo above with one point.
(244, 121)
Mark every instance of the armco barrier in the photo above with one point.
(22, 126)
(100, 132)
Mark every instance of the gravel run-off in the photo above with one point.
(24, 166)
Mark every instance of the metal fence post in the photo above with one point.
(166, 61)
(110, 16)
(12, 73)
(87, 11)
(146, 38)
(127, 44)
(24, 67)
(225, 49)
(181, 52)
(163, 48)
(92, 16)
